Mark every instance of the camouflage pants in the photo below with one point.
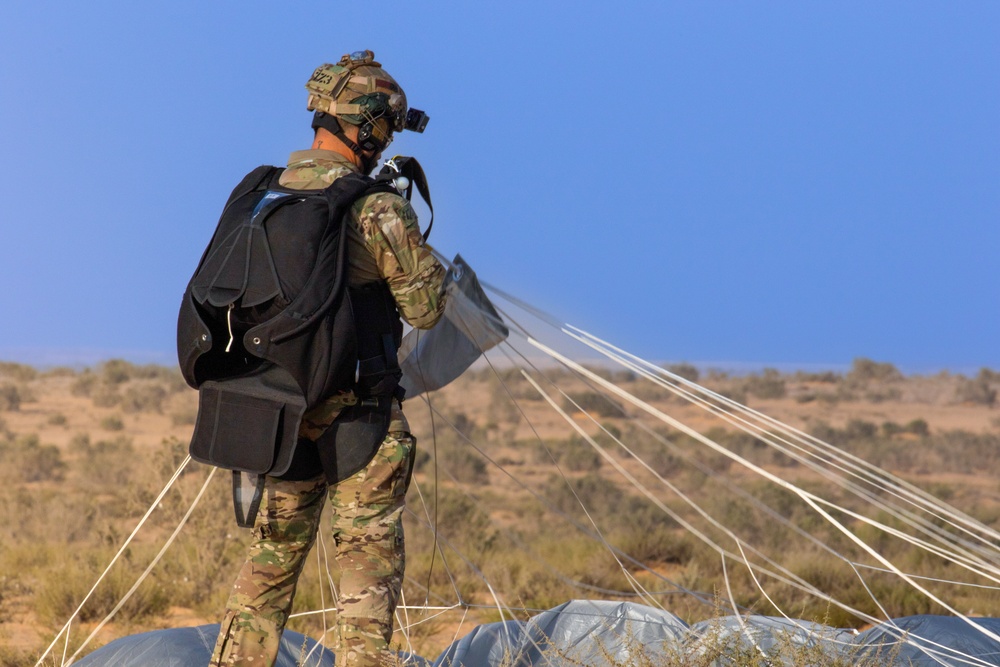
(368, 532)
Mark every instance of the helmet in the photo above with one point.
(358, 91)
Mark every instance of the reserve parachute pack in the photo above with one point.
(268, 327)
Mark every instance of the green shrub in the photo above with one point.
(978, 392)
(56, 419)
(685, 370)
(105, 395)
(768, 385)
(918, 427)
(467, 465)
(112, 423)
(10, 397)
(594, 403)
(146, 397)
(988, 375)
(107, 463)
(576, 454)
(34, 462)
(865, 370)
(84, 384)
(59, 593)
(116, 371)
(20, 372)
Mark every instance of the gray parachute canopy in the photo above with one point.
(600, 633)
(192, 647)
(470, 326)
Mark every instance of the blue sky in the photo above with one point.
(772, 182)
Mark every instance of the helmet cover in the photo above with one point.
(357, 90)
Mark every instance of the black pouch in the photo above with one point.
(354, 437)
(249, 423)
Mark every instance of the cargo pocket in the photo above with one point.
(236, 431)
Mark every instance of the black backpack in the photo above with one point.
(266, 328)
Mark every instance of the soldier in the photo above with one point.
(357, 108)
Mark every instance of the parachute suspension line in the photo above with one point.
(497, 603)
(636, 586)
(432, 523)
(701, 597)
(875, 501)
(663, 417)
(738, 616)
(924, 526)
(898, 487)
(128, 540)
(899, 573)
(794, 580)
(403, 624)
(322, 596)
(155, 561)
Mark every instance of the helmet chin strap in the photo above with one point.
(331, 125)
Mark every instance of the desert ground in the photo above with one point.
(84, 452)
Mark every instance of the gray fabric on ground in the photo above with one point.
(190, 647)
(580, 632)
(489, 644)
(598, 633)
(933, 641)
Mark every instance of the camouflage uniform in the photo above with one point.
(384, 243)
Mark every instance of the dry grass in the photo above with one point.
(86, 455)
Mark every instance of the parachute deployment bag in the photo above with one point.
(266, 329)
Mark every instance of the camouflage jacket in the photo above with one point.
(384, 240)
(383, 243)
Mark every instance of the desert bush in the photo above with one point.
(856, 429)
(105, 395)
(685, 370)
(883, 394)
(826, 377)
(145, 397)
(733, 393)
(56, 419)
(84, 384)
(988, 375)
(865, 370)
(769, 384)
(601, 498)
(594, 403)
(32, 461)
(10, 397)
(575, 454)
(466, 465)
(107, 463)
(59, 593)
(978, 392)
(966, 452)
(112, 423)
(116, 371)
(20, 372)
(917, 427)
(59, 372)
